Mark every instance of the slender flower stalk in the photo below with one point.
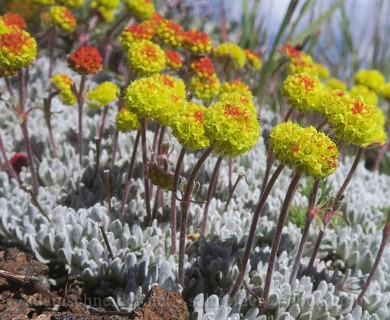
(210, 193)
(185, 204)
(251, 236)
(145, 170)
(24, 114)
(385, 238)
(239, 177)
(278, 235)
(309, 219)
(103, 123)
(10, 169)
(80, 103)
(47, 114)
(336, 204)
(173, 200)
(129, 174)
(9, 86)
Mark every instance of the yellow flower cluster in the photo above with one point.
(160, 177)
(136, 32)
(106, 8)
(322, 71)
(372, 79)
(197, 41)
(334, 83)
(44, 2)
(302, 91)
(231, 51)
(305, 150)
(156, 97)
(173, 59)
(11, 21)
(253, 59)
(238, 98)
(367, 95)
(188, 126)
(17, 50)
(385, 92)
(231, 127)
(236, 86)
(146, 58)
(170, 33)
(126, 120)
(142, 9)
(71, 3)
(102, 94)
(205, 88)
(64, 83)
(355, 121)
(63, 18)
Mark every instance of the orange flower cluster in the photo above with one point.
(11, 19)
(170, 33)
(85, 60)
(203, 67)
(136, 32)
(197, 41)
(173, 59)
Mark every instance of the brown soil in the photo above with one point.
(25, 293)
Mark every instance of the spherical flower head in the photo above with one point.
(170, 33)
(85, 60)
(108, 4)
(232, 129)
(146, 97)
(372, 79)
(63, 18)
(303, 66)
(203, 67)
(253, 59)
(236, 86)
(160, 177)
(173, 59)
(238, 98)
(173, 84)
(367, 95)
(102, 94)
(142, 9)
(44, 2)
(357, 122)
(126, 120)
(146, 58)
(17, 50)
(188, 126)
(5, 28)
(305, 150)
(292, 53)
(205, 88)
(71, 3)
(197, 41)
(14, 20)
(63, 83)
(385, 92)
(231, 51)
(334, 83)
(322, 71)
(302, 91)
(136, 32)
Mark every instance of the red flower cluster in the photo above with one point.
(85, 60)
(13, 19)
(203, 67)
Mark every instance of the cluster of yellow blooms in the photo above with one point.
(63, 18)
(105, 7)
(63, 83)
(102, 94)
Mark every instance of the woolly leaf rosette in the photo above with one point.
(102, 94)
(205, 88)
(231, 51)
(85, 60)
(173, 59)
(63, 18)
(362, 91)
(238, 87)
(302, 91)
(356, 121)
(232, 129)
(253, 59)
(64, 83)
(142, 9)
(17, 50)
(126, 120)
(372, 79)
(304, 150)
(71, 3)
(197, 41)
(146, 58)
(188, 126)
(170, 32)
(203, 67)
(136, 32)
